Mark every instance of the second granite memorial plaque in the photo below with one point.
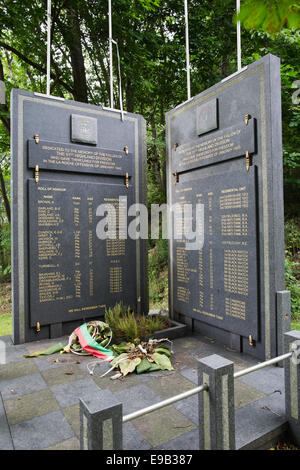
(224, 151)
(71, 162)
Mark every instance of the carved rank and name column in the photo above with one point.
(77, 250)
(91, 247)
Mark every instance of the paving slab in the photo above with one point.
(18, 369)
(64, 374)
(163, 425)
(6, 442)
(133, 439)
(259, 421)
(245, 394)
(56, 360)
(189, 408)
(148, 377)
(186, 344)
(73, 417)
(267, 380)
(183, 360)
(69, 394)
(118, 384)
(188, 441)
(10, 353)
(170, 385)
(69, 444)
(30, 406)
(41, 432)
(136, 398)
(22, 385)
(39, 394)
(191, 374)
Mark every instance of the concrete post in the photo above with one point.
(101, 422)
(292, 384)
(283, 307)
(216, 406)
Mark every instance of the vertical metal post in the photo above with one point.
(111, 78)
(187, 47)
(238, 37)
(48, 44)
(2, 92)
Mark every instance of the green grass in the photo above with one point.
(295, 324)
(5, 309)
(5, 324)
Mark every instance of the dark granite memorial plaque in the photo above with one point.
(72, 271)
(64, 273)
(218, 283)
(223, 145)
(231, 162)
(207, 117)
(82, 159)
(84, 129)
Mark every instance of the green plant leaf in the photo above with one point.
(147, 366)
(129, 365)
(118, 358)
(163, 350)
(52, 350)
(163, 361)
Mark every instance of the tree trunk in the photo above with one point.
(72, 36)
(4, 195)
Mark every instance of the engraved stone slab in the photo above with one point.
(73, 273)
(83, 129)
(207, 117)
(222, 145)
(62, 272)
(248, 134)
(83, 159)
(218, 283)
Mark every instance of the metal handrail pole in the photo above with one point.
(262, 365)
(162, 404)
(201, 388)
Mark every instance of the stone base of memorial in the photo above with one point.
(175, 330)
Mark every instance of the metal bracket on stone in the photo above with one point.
(248, 160)
(36, 174)
(247, 117)
(127, 180)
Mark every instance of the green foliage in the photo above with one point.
(5, 324)
(292, 264)
(158, 274)
(292, 284)
(292, 237)
(127, 326)
(270, 15)
(142, 357)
